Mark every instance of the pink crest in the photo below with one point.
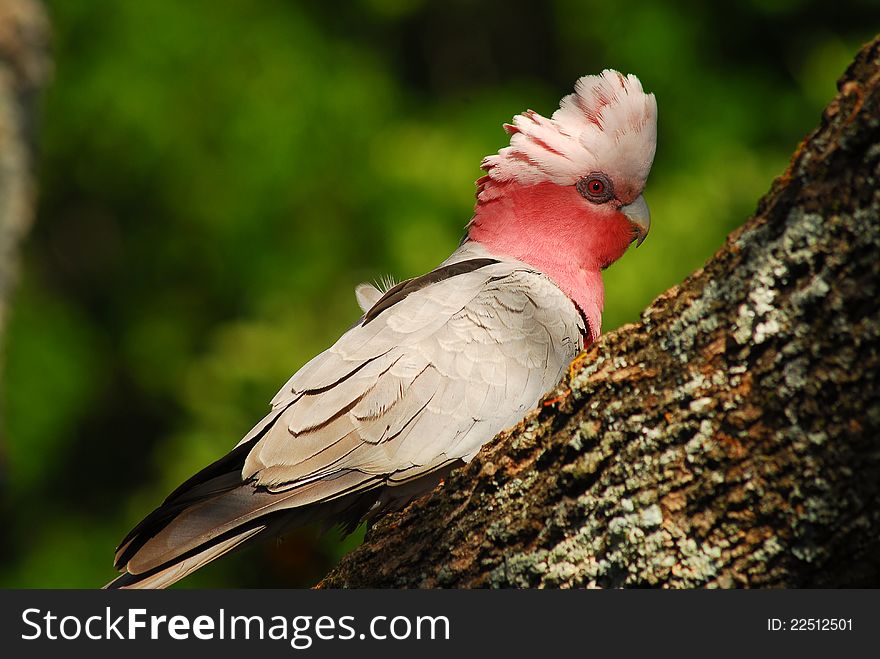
(609, 124)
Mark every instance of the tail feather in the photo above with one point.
(163, 577)
(200, 524)
(216, 511)
(221, 476)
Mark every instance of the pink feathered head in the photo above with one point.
(608, 125)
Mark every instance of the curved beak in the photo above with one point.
(640, 217)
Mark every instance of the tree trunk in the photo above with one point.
(730, 438)
(24, 65)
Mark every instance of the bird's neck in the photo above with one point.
(553, 229)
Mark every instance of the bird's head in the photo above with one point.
(584, 168)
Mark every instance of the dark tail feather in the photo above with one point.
(186, 532)
(164, 576)
(216, 511)
(221, 476)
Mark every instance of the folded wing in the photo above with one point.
(435, 368)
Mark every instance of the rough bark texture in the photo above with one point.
(24, 68)
(730, 438)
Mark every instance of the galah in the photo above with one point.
(437, 365)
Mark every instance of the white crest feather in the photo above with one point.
(608, 124)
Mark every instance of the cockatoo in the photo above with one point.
(437, 365)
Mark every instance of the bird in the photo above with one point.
(437, 365)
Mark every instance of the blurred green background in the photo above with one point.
(216, 177)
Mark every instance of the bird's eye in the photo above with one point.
(595, 187)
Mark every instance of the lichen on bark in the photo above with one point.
(730, 438)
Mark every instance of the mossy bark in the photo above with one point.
(730, 438)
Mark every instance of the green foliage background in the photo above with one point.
(216, 177)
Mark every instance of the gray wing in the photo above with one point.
(428, 381)
(430, 374)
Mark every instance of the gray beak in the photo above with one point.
(640, 217)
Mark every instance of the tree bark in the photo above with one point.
(730, 438)
(24, 68)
